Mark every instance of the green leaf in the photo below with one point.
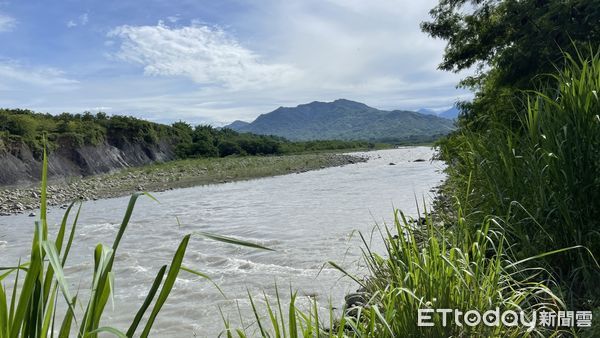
(168, 285)
(65, 328)
(108, 330)
(205, 276)
(231, 240)
(147, 301)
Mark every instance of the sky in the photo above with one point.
(206, 61)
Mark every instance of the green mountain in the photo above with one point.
(346, 120)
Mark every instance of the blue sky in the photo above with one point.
(218, 61)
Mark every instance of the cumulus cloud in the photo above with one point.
(206, 55)
(7, 23)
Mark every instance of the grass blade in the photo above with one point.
(168, 284)
(230, 240)
(147, 301)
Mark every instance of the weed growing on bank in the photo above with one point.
(540, 174)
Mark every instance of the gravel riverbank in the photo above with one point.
(163, 176)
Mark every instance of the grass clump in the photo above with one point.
(450, 268)
(540, 172)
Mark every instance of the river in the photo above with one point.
(308, 219)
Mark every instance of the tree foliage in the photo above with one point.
(513, 40)
(76, 130)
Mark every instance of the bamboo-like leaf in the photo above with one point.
(168, 284)
(52, 254)
(256, 315)
(49, 312)
(107, 329)
(346, 273)
(27, 291)
(3, 312)
(13, 299)
(147, 301)
(205, 276)
(71, 237)
(65, 328)
(44, 184)
(231, 240)
(292, 317)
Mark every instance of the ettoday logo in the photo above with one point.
(495, 317)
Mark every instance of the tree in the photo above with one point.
(514, 40)
(228, 147)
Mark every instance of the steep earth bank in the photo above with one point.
(19, 166)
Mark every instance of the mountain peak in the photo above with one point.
(349, 103)
(344, 119)
(237, 124)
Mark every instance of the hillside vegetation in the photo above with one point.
(88, 144)
(76, 130)
(347, 120)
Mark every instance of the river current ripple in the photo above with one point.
(308, 218)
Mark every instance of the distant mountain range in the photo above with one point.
(346, 120)
(451, 113)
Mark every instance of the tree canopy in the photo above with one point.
(513, 40)
(20, 126)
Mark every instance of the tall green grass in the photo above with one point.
(540, 173)
(39, 286)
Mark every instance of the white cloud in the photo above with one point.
(206, 55)
(14, 74)
(7, 23)
(273, 53)
(291, 54)
(34, 87)
(351, 41)
(82, 20)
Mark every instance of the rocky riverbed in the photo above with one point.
(159, 177)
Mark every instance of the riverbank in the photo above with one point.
(165, 176)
